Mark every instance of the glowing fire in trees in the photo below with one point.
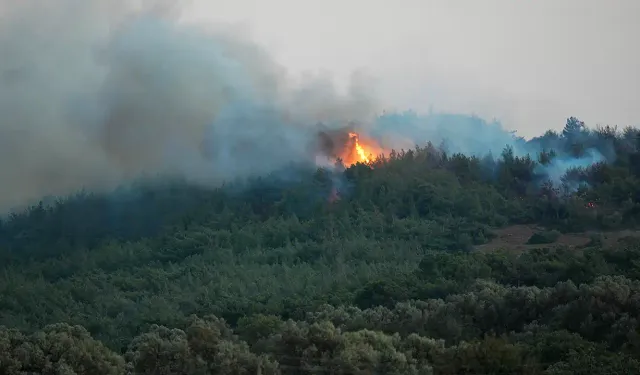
(346, 146)
(350, 148)
(358, 150)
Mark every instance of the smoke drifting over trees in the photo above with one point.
(97, 94)
(270, 238)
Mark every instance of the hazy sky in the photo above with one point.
(530, 64)
(78, 112)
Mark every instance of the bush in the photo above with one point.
(544, 237)
(596, 239)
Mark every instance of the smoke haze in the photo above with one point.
(96, 93)
(529, 64)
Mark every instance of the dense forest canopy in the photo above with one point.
(444, 258)
(174, 201)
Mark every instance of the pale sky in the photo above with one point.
(530, 64)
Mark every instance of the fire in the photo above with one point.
(346, 145)
(358, 148)
(351, 148)
(358, 151)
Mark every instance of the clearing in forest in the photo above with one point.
(515, 238)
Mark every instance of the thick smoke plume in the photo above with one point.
(94, 93)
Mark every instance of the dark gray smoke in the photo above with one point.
(95, 93)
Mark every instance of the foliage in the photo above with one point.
(544, 237)
(270, 276)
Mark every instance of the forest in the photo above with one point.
(423, 261)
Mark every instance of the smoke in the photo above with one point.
(469, 135)
(559, 166)
(472, 136)
(94, 94)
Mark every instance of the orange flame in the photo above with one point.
(358, 148)
(359, 151)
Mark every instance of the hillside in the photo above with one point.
(422, 261)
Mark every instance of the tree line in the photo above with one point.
(271, 276)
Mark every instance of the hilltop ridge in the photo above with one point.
(397, 265)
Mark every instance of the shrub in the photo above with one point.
(544, 237)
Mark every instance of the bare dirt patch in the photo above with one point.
(515, 237)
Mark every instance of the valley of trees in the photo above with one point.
(370, 269)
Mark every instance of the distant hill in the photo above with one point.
(427, 260)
